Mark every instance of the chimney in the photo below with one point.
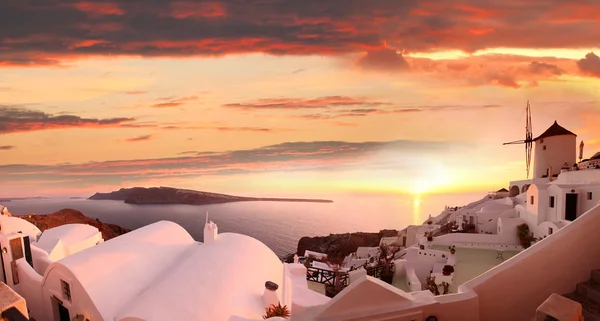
(270, 294)
(296, 259)
(210, 231)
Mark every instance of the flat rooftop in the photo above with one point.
(474, 262)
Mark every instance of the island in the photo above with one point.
(170, 195)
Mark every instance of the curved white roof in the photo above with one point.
(68, 234)
(13, 224)
(215, 282)
(117, 271)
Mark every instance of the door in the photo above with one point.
(60, 312)
(63, 313)
(571, 207)
(404, 241)
(3, 271)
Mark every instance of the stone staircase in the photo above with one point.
(588, 294)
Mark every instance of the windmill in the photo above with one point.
(528, 141)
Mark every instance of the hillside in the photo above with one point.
(69, 216)
(169, 195)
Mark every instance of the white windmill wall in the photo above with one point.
(558, 151)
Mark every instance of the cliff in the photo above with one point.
(341, 244)
(169, 195)
(69, 216)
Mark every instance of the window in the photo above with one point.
(544, 148)
(589, 195)
(66, 288)
(552, 201)
(550, 231)
(531, 199)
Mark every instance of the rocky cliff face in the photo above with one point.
(341, 244)
(69, 216)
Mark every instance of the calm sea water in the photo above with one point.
(277, 224)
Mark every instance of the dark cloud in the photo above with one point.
(384, 60)
(285, 157)
(138, 138)
(7, 147)
(590, 65)
(302, 103)
(17, 119)
(536, 67)
(34, 33)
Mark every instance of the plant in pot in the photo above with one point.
(447, 270)
(432, 286)
(308, 261)
(452, 249)
(277, 311)
(335, 263)
(386, 259)
(429, 236)
(524, 237)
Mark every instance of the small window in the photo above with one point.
(589, 195)
(66, 288)
(531, 199)
(542, 140)
(552, 201)
(550, 231)
(544, 148)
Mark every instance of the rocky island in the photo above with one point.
(339, 245)
(70, 216)
(169, 195)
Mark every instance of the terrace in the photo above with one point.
(474, 262)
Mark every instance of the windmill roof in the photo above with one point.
(554, 130)
(502, 190)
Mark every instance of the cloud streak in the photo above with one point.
(16, 119)
(285, 157)
(303, 103)
(7, 147)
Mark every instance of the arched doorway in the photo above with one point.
(514, 191)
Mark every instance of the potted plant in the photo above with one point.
(447, 270)
(335, 263)
(421, 246)
(277, 311)
(429, 236)
(452, 249)
(308, 261)
(524, 237)
(386, 258)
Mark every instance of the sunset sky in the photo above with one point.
(288, 96)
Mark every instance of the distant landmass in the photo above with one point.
(8, 199)
(169, 195)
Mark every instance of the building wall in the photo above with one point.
(514, 289)
(559, 150)
(80, 301)
(30, 288)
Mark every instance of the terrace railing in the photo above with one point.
(326, 277)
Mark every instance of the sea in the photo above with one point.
(279, 225)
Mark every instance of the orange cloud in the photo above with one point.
(6, 147)
(184, 9)
(302, 103)
(106, 8)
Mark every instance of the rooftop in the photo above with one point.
(474, 262)
(554, 130)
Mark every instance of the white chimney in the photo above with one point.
(210, 231)
(270, 294)
(296, 259)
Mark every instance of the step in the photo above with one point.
(596, 276)
(589, 289)
(590, 310)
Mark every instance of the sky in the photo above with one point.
(288, 97)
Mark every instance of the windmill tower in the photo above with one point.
(528, 141)
(556, 148)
